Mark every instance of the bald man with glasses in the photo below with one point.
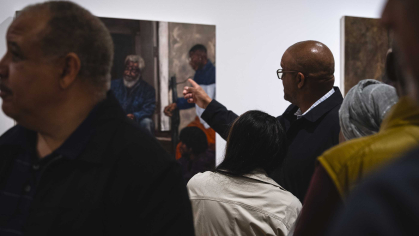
(311, 121)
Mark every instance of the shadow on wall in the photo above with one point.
(5, 122)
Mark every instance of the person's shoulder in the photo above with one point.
(333, 103)
(392, 192)
(397, 181)
(147, 85)
(116, 82)
(201, 180)
(356, 150)
(200, 177)
(333, 114)
(373, 149)
(348, 149)
(137, 147)
(294, 203)
(286, 197)
(12, 135)
(291, 109)
(402, 172)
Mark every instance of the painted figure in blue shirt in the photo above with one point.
(204, 76)
(136, 96)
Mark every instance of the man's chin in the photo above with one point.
(128, 79)
(286, 98)
(9, 110)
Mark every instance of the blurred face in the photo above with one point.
(195, 60)
(28, 80)
(184, 150)
(131, 72)
(288, 79)
(402, 17)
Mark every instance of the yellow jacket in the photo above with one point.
(351, 161)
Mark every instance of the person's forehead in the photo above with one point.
(26, 27)
(131, 63)
(285, 59)
(193, 53)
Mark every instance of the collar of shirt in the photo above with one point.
(207, 66)
(326, 96)
(72, 146)
(87, 141)
(206, 75)
(258, 175)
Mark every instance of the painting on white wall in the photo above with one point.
(152, 62)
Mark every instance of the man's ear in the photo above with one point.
(70, 70)
(301, 80)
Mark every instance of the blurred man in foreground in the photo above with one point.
(75, 164)
(387, 203)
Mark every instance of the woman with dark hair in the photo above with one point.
(239, 198)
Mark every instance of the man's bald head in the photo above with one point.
(308, 72)
(313, 59)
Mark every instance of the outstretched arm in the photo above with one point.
(216, 115)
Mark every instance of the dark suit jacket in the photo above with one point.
(122, 183)
(308, 137)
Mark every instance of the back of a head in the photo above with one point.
(315, 60)
(73, 29)
(256, 140)
(364, 108)
(194, 138)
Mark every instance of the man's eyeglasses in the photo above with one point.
(280, 72)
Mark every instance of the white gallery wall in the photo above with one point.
(251, 37)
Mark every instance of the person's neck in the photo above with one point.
(60, 123)
(204, 63)
(309, 100)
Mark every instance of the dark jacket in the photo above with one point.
(123, 183)
(386, 203)
(308, 138)
(140, 100)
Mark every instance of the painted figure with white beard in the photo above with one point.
(136, 96)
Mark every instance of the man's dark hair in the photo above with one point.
(256, 140)
(198, 47)
(72, 28)
(195, 138)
